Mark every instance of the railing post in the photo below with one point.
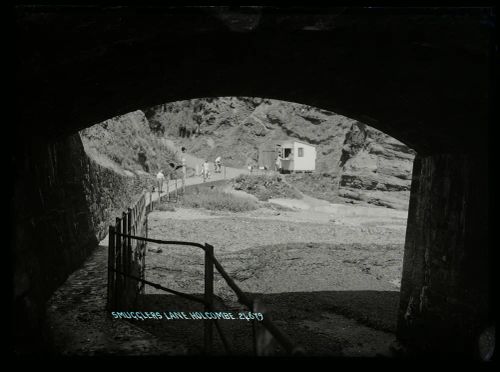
(111, 266)
(142, 228)
(128, 262)
(123, 264)
(263, 339)
(118, 264)
(254, 336)
(209, 294)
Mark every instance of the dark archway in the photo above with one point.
(422, 76)
(416, 75)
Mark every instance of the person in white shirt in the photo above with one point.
(218, 164)
(160, 177)
(205, 170)
(278, 164)
(183, 160)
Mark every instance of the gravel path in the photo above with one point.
(80, 325)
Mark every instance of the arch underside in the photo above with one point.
(419, 78)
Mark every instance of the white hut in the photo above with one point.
(294, 156)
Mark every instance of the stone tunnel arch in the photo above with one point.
(406, 80)
(421, 77)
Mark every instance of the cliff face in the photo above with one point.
(127, 145)
(375, 168)
(366, 165)
(234, 127)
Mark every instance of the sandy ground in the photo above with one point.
(329, 274)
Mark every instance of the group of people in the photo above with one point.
(161, 178)
(173, 174)
(205, 168)
(277, 165)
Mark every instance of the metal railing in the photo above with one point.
(126, 274)
(174, 190)
(210, 261)
(127, 257)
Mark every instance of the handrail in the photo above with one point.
(158, 286)
(120, 251)
(171, 242)
(289, 346)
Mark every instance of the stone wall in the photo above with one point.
(108, 194)
(445, 290)
(63, 203)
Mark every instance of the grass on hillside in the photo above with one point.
(266, 187)
(214, 199)
(317, 185)
(219, 201)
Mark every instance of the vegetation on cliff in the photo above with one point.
(266, 187)
(127, 144)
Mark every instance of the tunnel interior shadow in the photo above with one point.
(290, 311)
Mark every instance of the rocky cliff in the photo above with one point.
(234, 127)
(375, 168)
(363, 164)
(127, 145)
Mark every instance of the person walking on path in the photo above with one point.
(184, 169)
(218, 164)
(183, 162)
(278, 164)
(205, 170)
(160, 177)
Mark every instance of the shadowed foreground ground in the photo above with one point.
(336, 323)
